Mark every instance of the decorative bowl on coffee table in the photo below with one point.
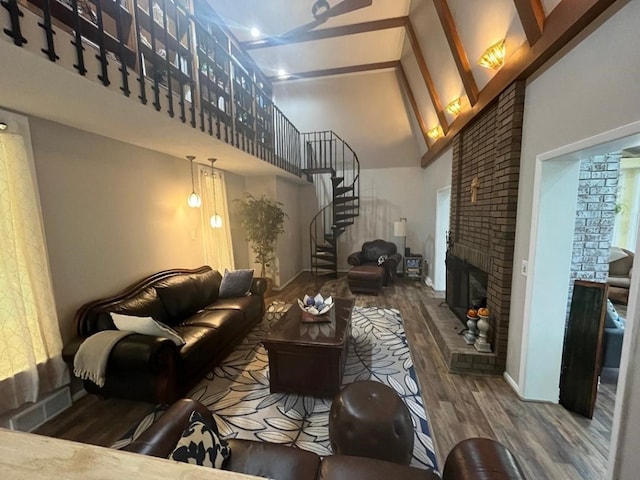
(315, 309)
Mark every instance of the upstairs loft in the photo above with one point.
(162, 75)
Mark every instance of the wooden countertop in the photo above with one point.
(35, 457)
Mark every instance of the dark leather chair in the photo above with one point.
(369, 419)
(471, 459)
(378, 253)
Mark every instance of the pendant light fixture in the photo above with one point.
(193, 200)
(216, 220)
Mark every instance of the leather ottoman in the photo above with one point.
(365, 279)
(369, 419)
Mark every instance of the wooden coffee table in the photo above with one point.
(309, 358)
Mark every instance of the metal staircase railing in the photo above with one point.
(325, 153)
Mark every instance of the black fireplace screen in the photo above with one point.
(466, 286)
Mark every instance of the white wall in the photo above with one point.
(573, 99)
(290, 244)
(437, 176)
(289, 247)
(112, 212)
(386, 195)
(235, 185)
(586, 92)
(366, 110)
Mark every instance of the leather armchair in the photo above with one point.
(471, 459)
(370, 254)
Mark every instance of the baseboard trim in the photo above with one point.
(33, 415)
(280, 287)
(512, 383)
(78, 395)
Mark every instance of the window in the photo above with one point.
(30, 342)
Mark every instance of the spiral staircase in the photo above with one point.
(330, 162)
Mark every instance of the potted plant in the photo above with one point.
(263, 222)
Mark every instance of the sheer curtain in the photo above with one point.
(30, 344)
(218, 252)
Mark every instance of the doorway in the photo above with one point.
(554, 202)
(555, 198)
(443, 205)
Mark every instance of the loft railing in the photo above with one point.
(327, 150)
(169, 58)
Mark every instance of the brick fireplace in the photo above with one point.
(486, 159)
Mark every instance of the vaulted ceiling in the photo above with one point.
(434, 44)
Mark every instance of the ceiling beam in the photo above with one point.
(414, 105)
(428, 81)
(457, 50)
(531, 15)
(337, 71)
(334, 32)
(566, 21)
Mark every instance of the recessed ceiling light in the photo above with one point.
(282, 73)
(255, 33)
(3, 126)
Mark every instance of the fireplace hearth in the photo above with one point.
(466, 286)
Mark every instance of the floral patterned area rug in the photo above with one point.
(237, 391)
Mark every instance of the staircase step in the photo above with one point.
(345, 216)
(322, 273)
(312, 170)
(347, 199)
(326, 248)
(323, 262)
(335, 181)
(341, 190)
(341, 207)
(323, 265)
(342, 224)
(329, 237)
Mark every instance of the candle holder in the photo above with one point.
(482, 344)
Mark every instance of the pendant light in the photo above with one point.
(216, 220)
(193, 200)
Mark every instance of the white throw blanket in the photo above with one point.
(90, 362)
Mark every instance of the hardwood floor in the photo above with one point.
(548, 441)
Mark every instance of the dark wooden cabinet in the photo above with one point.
(581, 355)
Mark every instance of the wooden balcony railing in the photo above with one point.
(182, 60)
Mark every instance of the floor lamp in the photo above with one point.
(400, 230)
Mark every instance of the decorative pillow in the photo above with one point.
(236, 283)
(146, 326)
(611, 317)
(201, 445)
(382, 259)
(144, 304)
(179, 296)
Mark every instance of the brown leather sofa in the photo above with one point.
(154, 369)
(370, 254)
(471, 459)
